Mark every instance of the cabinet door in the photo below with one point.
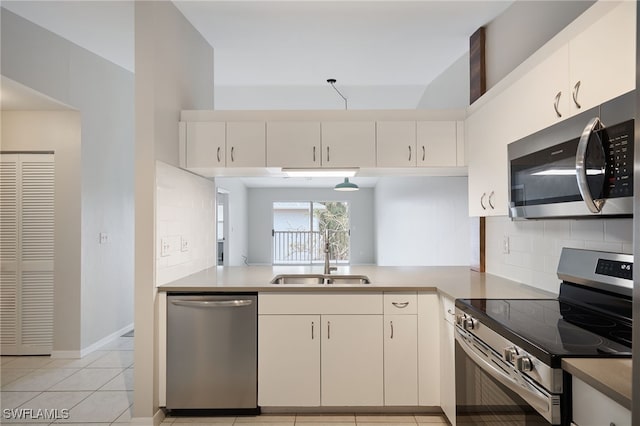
(591, 407)
(246, 144)
(349, 144)
(447, 359)
(289, 360)
(603, 58)
(205, 144)
(428, 350)
(530, 100)
(401, 360)
(352, 351)
(487, 160)
(437, 145)
(293, 144)
(396, 143)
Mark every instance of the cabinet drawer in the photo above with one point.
(401, 303)
(346, 303)
(590, 407)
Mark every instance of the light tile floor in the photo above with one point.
(98, 390)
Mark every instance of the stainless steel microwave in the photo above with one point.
(581, 167)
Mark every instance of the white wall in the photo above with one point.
(450, 90)
(535, 245)
(57, 131)
(422, 221)
(237, 239)
(103, 93)
(174, 71)
(522, 29)
(361, 207)
(185, 211)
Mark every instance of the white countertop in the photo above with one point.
(453, 281)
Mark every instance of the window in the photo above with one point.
(300, 229)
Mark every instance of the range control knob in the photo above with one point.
(460, 319)
(509, 354)
(470, 323)
(524, 364)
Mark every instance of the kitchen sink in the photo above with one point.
(347, 279)
(298, 279)
(319, 279)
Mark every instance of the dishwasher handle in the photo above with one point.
(236, 303)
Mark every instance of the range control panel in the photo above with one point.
(619, 154)
(615, 268)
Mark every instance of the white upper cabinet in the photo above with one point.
(436, 143)
(602, 59)
(246, 144)
(396, 143)
(205, 145)
(348, 144)
(293, 144)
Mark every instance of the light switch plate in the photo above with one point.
(165, 247)
(184, 244)
(505, 245)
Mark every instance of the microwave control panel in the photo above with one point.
(619, 152)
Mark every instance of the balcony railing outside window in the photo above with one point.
(307, 247)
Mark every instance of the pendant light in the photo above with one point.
(346, 186)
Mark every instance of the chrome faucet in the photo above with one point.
(327, 254)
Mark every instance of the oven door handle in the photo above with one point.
(540, 401)
(594, 206)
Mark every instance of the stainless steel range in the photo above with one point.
(509, 351)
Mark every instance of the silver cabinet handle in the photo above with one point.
(391, 324)
(576, 89)
(409, 152)
(314, 154)
(484, 194)
(450, 312)
(594, 206)
(327, 154)
(400, 305)
(491, 198)
(312, 330)
(218, 154)
(557, 103)
(424, 153)
(232, 159)
(213, 303)
(328, 330)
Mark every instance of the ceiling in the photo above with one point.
(279, 54)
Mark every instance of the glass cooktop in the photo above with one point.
(551, 329)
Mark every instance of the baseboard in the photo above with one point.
(157, 418)
(100, 343)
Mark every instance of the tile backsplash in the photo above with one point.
(529, 251)
(185, 223)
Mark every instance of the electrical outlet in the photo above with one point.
(165, 247)
(505, 245)
(103, 238)
(184, 244)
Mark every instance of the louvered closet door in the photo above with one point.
(27, 244)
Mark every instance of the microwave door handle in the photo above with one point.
(534, 397)
(594, 206)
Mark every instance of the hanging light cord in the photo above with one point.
(332, 82)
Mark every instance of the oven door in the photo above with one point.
(491, 391)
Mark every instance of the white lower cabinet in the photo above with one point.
(320, 350)
(428, 351)
(289, 361)
(447, 359)
(401, 360)
(351, 361)
(593, 408)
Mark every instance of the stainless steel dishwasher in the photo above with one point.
(212, 352)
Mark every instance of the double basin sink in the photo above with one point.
(320, 279)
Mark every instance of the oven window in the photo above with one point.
(481, 400)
